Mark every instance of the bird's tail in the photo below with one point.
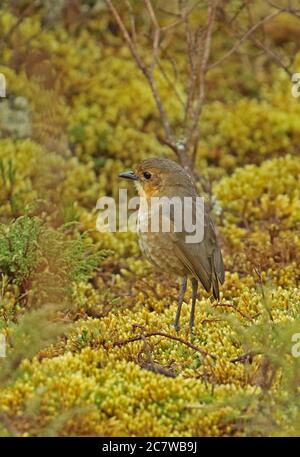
(218, 272)
(215, 286)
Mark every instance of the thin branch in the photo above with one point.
(245, 36)
(179, 21)
(191, 130)
(156, 32)
(126, 36)
(274, 55)
(237, 13)
(246, 358)
(132, 21)
(152, 14)
(201, 351)
(227, 305)
(146, 71)
(28, 10)
(190, 52)
(289, 9)
(171, 84)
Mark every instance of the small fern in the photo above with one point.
(44, 262)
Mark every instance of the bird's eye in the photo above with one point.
(147, 175)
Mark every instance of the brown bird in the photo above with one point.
(170, 251)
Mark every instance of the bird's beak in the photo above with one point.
(128, 175)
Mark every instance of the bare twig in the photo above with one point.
(201, 351)
(132, 21)
(274, 55)
(245, 36)
(288, 9)
(227, 305)
(131, 45)
(148, 72)
(171, 84)
(192, 132)
(156, 33)
(246, 358)
(190, 48)
(149, 364)
(28, 10)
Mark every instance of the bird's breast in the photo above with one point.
(158, 246)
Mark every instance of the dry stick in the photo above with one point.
(246, 35)
(170, 82)
(274, 55)
(150, 364)
(240, 9)
(147, 351)
(147, 73)
(205, 67)
(227, 305)
(26, 12)
(157, 30)
(191, 130)
(152, 14)
(289, 9)
(132, 21)
(165, 335)
(271, 52)
(190, 52)
(180, 21)
(245, 358)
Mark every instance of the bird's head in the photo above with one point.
(158, 177)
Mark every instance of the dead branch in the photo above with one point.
(147, 71)
(246, 36)
(227, 305)
(149, 363)
(274, 55)
(192, 130)
(246, 358)
(28, 10)
(201, 351)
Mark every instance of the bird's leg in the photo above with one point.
(194, 296)
(180, 300)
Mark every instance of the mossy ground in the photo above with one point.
(71, 298)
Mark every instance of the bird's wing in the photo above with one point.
(218, 272)
(203, 259)
(217, 257)
(195, 260)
